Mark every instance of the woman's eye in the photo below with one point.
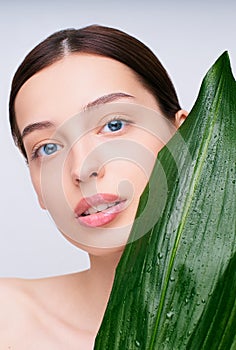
(49, 149)
(114, 125)
(46, 150)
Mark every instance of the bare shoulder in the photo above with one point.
(27, 296)
(13, 294)
(22, 314)
(34, 314)
(15, 308)
(21, 297)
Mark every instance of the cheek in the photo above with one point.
(138, 170)
(126, 178)
(36, 181)
(136, 175)
(153, 144)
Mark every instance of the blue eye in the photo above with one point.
(45, 150)
(114, 125)
(48, 149)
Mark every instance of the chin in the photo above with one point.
(104, 251)
(96, 251)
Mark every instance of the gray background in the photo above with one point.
(187, 36)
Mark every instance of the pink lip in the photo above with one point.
(100, 218)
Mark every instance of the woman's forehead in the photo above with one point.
(65, 87)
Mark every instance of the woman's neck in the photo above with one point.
(96, 285)
(102, 268)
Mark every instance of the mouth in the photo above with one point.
(99, 210)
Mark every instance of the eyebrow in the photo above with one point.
(106, 99)
(99, 101)
(36, 126)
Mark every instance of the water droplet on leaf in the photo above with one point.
(170, 314)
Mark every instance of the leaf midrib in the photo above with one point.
(187, 205)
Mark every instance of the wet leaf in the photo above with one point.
(175, 285)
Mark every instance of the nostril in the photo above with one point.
(86, 174)
(77, 181)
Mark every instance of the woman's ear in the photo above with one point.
(180, 117)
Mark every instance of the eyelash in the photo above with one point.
(35, 152)
(116, 118)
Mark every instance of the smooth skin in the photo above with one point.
(65, 312)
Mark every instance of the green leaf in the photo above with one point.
(175, 285)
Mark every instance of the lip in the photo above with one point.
(100, 218)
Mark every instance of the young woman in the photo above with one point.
(89, 109)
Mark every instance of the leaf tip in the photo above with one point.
(223, 64)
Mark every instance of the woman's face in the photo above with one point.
(91, 131)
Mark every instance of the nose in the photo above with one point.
(85, 162)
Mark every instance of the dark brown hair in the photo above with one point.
(102, 41)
